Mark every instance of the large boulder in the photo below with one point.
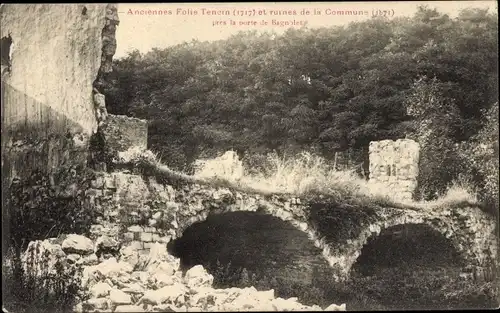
(109, 268)
(197, 277)
(134, 288)
(129, 255)
(95, 304)
(158, 254)
(78, 244)
(106, 244)
(118, 297)
(100, 289)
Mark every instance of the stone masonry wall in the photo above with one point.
(122, 132)
(51, 56)
(394, 164)
(125, 213)
(140, 213)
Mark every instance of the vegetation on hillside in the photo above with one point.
(327, 91)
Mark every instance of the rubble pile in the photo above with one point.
(122, 280)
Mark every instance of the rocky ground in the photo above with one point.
(122, 280)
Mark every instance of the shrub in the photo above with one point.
(38, 207)
(43, 291)
(226, 274)
(483, 155)
(43, 206)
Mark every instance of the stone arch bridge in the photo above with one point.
(141, 210)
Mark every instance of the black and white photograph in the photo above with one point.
(250, 156)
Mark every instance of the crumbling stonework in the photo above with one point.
(121, 133)
(394, 164)
(140, 213)
(52, 105)
(108, 44)
(129, 282)
(62, 50)
(108, 51)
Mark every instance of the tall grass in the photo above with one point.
(306, 174)
(303, 175)
(36, 288)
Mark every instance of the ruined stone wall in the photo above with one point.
(394, 165)
(139, 213)
(138, 210)
(470, 231)
(121, 133)
(51, 56)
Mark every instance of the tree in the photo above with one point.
(332, 89)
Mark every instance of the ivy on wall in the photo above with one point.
(40, 206)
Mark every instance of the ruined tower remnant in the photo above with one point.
(394, 165)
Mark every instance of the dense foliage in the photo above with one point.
(30, 291)
(42, 206)
(323, 90)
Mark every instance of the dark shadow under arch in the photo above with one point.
(414, 267)
(406, 246)
(274, 253)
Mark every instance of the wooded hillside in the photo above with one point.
(429, 77)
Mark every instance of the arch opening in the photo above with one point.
(413, 266)
(408, 246)
(243, 249)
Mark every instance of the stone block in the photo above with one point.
(148, 245)
(109, 182)
(165, 239)
(128, 236)
(146, 237)
(156, 238)
(150, 229)
(135, 229)
(137, 245)
(122, 132)
(144, 252)
(157, 215)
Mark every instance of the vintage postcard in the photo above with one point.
(197, 157)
